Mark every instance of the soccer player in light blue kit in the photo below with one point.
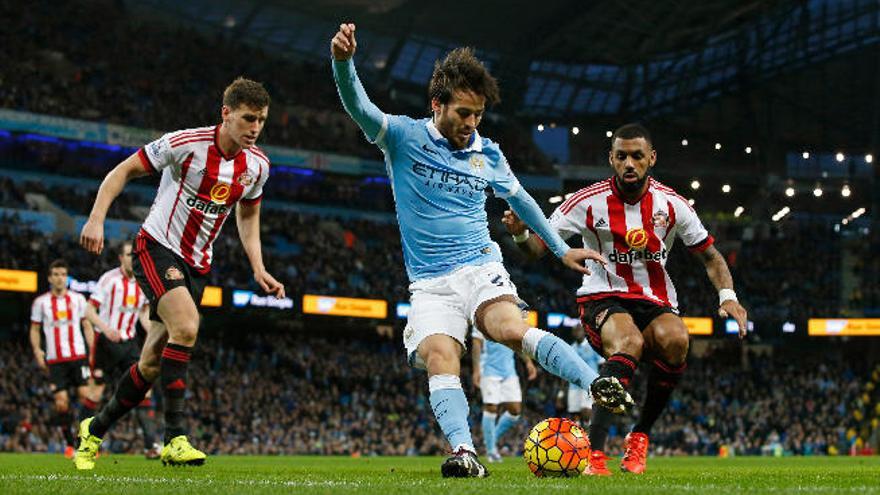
(495, 375)
(440, 169)
(580, 403)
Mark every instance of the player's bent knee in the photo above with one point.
(185, 333)
(514, 408)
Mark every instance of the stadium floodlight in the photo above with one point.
(738, 212)
(684, 142)
(540, 127)
(748, 150)
(845, 221)
(869, 158)
(575, 130)
(845, 191)
(569, 195)
(717, 146)
(695, 184)
(555, 199)
(691, 201)
(839, 157)
(609, 133)
(806, 155)
(817, 191)
(781, 213)
(725, 188)
(858, 213)
(789, 191)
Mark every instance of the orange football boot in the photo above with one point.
(596, 466)
(635, 458)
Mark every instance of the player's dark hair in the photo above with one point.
(461, 70)
(246, 92)
(121, 249)
(59, 263)
(632, 131)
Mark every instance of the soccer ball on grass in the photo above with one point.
(557, 447)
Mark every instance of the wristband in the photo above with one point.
(726, 295)
(521, 238)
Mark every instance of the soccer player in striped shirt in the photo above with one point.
(629, 306)
(115, 306)
(206, 173)
(440, 170)
(68, 335)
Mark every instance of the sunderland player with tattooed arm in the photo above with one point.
(68, 335)
(629, 307)
(115, 306)
(440, 169)
(206, 172)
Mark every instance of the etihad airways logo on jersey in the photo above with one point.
(210, 208)
(450, 181)
(633, 255)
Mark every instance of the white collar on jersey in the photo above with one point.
(476, 141)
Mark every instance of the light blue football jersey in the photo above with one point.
(441, 195)
(495, 359)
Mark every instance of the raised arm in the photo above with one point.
(355, 100)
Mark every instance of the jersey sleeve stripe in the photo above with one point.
(193, 140)
(145, 161)
(702, 245)
(187, 135)
(570, 206)
(576, 196)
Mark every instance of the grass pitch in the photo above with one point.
(43, 474)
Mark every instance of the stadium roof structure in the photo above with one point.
(792, 74)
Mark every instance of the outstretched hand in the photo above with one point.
(269, 284)
(733, 309)
(343, 45)
(575, 258)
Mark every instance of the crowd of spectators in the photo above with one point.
(295, 393)
(75, 60)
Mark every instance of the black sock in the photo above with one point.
(175, 360)
(64, 420)
(621, 366)
(129, 393)
(144, 414)
(600, 422)
(88, 409)
(661, 382)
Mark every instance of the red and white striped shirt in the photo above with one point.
(198, 189)
(119, 300)
(635, 239)
(61, 318)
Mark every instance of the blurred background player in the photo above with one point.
(494, 373)
(206, 172)
(121, 304)
(629, 306)
(579, 402)
(61, 313)
(440, 169)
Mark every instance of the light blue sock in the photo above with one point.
(489, 431)
(506, 422)
(557, 357)
(451, 410)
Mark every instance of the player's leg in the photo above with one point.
(511, 396)
(63, 418)
(501, 320)
(181, 318)
(490, 418)
(666, 338)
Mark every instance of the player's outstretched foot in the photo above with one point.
(493, 457)
(596, 466)
(611, 394)
(463, 464)
(179, 452)
(635, 458)
(89, 445)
